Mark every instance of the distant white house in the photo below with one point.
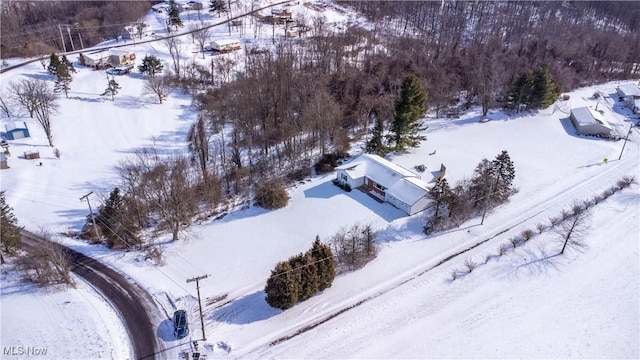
(387, 181)
(225, 45)
(136, 31)
(630, 94)
(590, 122)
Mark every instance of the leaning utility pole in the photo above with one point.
(197, 280)
(93, 218)
(625, 141)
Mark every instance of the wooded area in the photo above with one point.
(276, 113)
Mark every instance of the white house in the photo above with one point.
(136, 31)
(590, 122)
(630, 94)
(389, 182)
(225, 45)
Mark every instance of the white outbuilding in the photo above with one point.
(630, 94)
(590, 122)
(386, 181)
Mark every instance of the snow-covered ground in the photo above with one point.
(527, 303)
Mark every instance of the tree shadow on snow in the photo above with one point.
(530, 263)
(245, 310)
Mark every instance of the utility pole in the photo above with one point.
(625, 140)
(93, 218)
(197, 280)
(64, 46)
(79, 35)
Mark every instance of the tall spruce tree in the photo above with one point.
(114, 223)
(306, 274)
(504, 173)
(481, 183)
(375, 145)
(410, 107)
(282, 288)
(535, 88)
(545, 91)
(9, 229)
(63, 79)
(441, 194)
(54, 64)
(174, 15)
(325, 265)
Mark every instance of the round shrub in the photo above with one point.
(271, 195)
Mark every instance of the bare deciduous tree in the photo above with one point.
(47, 264)
(158, 86)
(176, 51)
(38, 99)
(201, 35)
(573, 229)
(170, 187)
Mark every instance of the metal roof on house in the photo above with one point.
(409, 190)
(400, 182)
(629, 89)
(587, 116)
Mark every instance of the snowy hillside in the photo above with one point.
(529, 302)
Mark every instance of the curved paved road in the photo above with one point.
(127, 298)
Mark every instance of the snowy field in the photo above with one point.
(529, 303)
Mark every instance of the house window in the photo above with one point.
(343, 177)
(380, 187)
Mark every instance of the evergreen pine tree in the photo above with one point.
(54, 64)
(545, 91)
(174, 15)
(441, 194)
(481, 182)
(112, 88)
(306, 274)
(63, 79)
(151, 66)
(68, 64)
(410, 107)
(9, 229)
(375, 145)
(282, 289)
(522, 90)
(504, 173)
(115, 224)
(217, 6)
(325, 264)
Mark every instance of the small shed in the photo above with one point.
(225, 45)
(590, 122)
(15, 130)
(3, 161)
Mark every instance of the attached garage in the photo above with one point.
(387, 181)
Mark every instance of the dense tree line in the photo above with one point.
(32, 28)
(301, 277)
